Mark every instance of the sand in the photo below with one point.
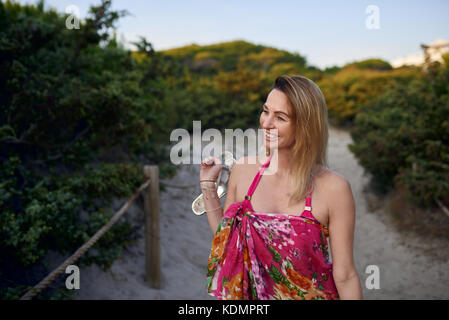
(405, 272)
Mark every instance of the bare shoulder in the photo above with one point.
(339, 197)
(333, 182)
(242, 173)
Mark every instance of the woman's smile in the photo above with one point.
(270, 136)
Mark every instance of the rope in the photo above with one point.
(53, 275)
(443, 207)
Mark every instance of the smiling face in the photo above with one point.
(276, 117)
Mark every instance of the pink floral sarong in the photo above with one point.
(260, 256)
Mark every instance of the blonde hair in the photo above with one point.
(310, 119)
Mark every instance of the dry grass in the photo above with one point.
(424, 230)
(429, 222)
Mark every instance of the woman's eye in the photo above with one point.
(266, 112)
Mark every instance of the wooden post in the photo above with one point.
(152, 245)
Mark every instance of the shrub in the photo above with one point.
(403, 137)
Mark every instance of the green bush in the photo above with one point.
(372, 64)
(403, 138)
(79, 116)
(357, 85)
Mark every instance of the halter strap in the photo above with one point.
(256, 179)
(308, 204)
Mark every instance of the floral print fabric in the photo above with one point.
(269, 256)
(261, 256)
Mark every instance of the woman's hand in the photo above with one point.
(210, 168)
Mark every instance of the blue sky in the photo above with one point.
(325, 32)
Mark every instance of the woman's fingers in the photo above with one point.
(211, 161)
(208, 161)
(210, 168)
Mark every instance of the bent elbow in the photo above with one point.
(344, 276)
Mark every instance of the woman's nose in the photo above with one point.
(267, 123)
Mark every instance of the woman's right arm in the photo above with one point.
(212, 204)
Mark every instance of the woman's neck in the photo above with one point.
(283, 163)
(280, 165)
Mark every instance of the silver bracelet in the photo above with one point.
(207, 182)
(213, 193)
(206, 188)
(214, 209)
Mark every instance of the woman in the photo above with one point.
(268, 244)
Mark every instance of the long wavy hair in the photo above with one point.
(310, 118)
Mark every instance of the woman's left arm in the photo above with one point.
(341, 236)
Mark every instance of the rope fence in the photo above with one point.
(150, 190)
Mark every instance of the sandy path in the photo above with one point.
(405, 273)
